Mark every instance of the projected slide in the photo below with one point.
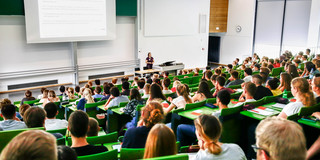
(72, 18)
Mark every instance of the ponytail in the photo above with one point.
(307, 99)
(182, 90)
(213, 147)
(304, 93)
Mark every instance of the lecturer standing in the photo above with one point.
(149, 61)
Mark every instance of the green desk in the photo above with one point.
(101, 107)
(259, 116)
(117, 110)
(231, 104)
(310, 123)
(73, 108)
(204, 110)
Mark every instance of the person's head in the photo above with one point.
(77, 89)
(106, 89)
(271, 61)
(149, 80)
(277, 60)
(208, 68)
(166, 82)
(45, 93)
(28, 94)
(292, 70)
(223, 97)
(5, 101)
(264, 76)
(183, 91)
(309, 66)
(71, 91)
(114, 91)
(270, 67)
(125, 85)
(217, 71)
(273, 83)
(235, 75)
(300, 89)
(97, 90)
(87, 94)
(208, 75)
(213, 78)
(250, 89)
(257, 80)
(52, 94)
(152, 114)
(318, 56)
(304, 57)
(141, 84)
(149, 54)
(30, 145)
(230, 67)
(156, 92)
(161, 141)
(166, 73)
(97, 82)
(278, 138)
(62, 89)
(8, 111)
(208, 130)
(297, 62)
(157, 81)
(308, 51)
(204, 89)
(42, 89)
(23, 108)
(51, 109)
(78, 124)
(315, 84)
(220, 81)
(114, 80)
(34, 117)
(285, 81)
(247, 71)
(146, 88)
(135, 94)
(93, 127)
(66, 153)
(264, 64)
(265, 69)
(257, 67)
(176, 83)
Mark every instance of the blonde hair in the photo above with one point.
(281, 138)
(23, 108)
(147, 88)
(303, 91)
(209, 129)
(90, 83)
(71, 93)
(182, 90)
(87, 94)
(161, 141)
(176, 83)
(30, 145)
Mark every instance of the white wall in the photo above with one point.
(314, 26)
(186, 49)
(18, 56)
(235, 44)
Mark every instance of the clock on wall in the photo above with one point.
(238, 28)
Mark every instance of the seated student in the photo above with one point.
(256, 67)
(203, 92)
(234, 79)
(272, 84)
(28, 97)
(208, 131)
(220, 81)
(44, 96)
(141, 84)
(261, 90)
(71, 93)
(77, 90)
(285, 81)
(130, 108)
(22, 109)
(62, 90)
(182, 99)
(78, 125)
(30, 145)
(125, 89)
(10, 122)
(66, 153)
(165, 85)
(249, 90)
(315, 84)
(51, 98)
(315, 148)
(309, 69)
(93, 129)
(270, 67)
(115, 98)
(229, 68)
(292, 70)
(151, 114)
(97, 82)
(156, 94)
(87, 98)
(135, 81)
(41, 95)
(157, 81)
(97, 92)
(174, 86)
(35, 117)
(51, 122)
(304, 58)
(114, 81)
(146, 91)
(304, 97)
(276, 63)
(223, 99)
(106, 91)
(278, 138)
(247, 75)
(161, 141)
(217, 71)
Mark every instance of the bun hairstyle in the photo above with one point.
(152, 114)
(182, 90)
(209, 129)
(303, 91)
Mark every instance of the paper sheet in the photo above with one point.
(279, 105)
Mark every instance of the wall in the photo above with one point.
(314, 26)
(235, 44)
(46, 59)
(186, 48)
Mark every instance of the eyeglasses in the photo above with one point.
(255, 148)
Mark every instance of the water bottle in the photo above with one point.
(285, 94)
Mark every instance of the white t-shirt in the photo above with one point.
(141, 91)
(145, 96)
(240, 103)
(116, 101)
(229, 151)
(247, 79)
(292, 108)
(166, 91)
(217, 114)
(180, 102)
(53, 124)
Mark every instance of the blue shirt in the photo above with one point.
(81, 104)
(97, 96)
(11, 124)
(104, 98)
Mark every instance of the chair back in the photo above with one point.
(307, 111)
(62, 131)
(211, 100)
(109, 155)
(195, 105)
(108, 138)
(131, 153)
(231, 125)
(172, 157)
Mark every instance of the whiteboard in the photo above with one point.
(171, 17)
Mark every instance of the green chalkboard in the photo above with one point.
(16, 7)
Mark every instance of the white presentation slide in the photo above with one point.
(72, 18)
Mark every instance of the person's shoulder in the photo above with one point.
(99, 148)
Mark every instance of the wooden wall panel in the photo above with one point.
(218, 16)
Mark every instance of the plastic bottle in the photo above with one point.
(285, 94)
